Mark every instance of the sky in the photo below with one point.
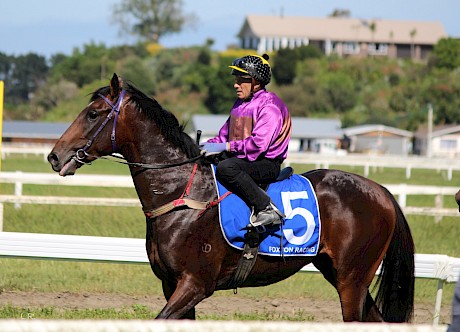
(49, 27)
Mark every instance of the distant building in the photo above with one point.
(379, 139)
(445, 141)
(29, 132)
(342, 36)
(316, 135)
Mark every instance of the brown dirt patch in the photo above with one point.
(320, 310)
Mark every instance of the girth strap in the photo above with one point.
(184, 201)
(191, 203)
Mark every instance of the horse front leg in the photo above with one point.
(182, 298)
(168, 289)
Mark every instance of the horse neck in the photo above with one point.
(156, 187)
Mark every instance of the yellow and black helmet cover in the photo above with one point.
(255, 66)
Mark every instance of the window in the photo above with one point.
(448, 144)
(350, 48)
(378, 48)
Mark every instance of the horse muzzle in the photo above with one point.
(457, 199)
(67, 168)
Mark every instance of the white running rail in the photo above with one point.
(128, 250)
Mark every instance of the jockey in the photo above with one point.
(255, 136)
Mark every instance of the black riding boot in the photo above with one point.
(268, 216)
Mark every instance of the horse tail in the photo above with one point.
(395, 295)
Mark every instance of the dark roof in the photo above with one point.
(447, 130)
(364, 129)
(30, 129)
(301, 127)
(316, 128)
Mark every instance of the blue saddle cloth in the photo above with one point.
(300, 231)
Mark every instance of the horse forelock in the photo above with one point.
(166, 121)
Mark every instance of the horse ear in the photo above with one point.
(115, 86)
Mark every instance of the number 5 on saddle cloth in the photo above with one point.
(300, 231)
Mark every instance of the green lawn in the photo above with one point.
(42, 275)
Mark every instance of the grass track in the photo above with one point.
(46, 276)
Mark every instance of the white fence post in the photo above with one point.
(366, 170)
(402, 197)
(408, 171)
(437, 304)
(18, 190)
(1, 217)
(438, 204)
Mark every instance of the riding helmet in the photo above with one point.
(255, 66)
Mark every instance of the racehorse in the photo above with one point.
(362, 224)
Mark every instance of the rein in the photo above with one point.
(81, 154)
(150, 166)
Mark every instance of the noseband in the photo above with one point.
(81, 154)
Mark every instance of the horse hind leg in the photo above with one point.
(351, 298)
(371, 311)
(355, 299)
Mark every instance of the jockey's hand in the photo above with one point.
(214, 148)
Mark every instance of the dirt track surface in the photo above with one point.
(320, 310)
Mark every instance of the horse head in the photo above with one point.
(121, 119)
(457, 199)
(86, 138)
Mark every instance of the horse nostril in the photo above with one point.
(53, 159)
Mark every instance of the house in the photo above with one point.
(316, 135)
(378, 139)
(445, 142)
(342, 36)
(29, 132)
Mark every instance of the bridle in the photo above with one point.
(82, 154)
(183, 200)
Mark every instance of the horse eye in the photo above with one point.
(93, 114)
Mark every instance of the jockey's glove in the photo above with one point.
(215, 148)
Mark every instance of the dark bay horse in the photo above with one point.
(362, 224)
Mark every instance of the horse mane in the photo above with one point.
(166, 121)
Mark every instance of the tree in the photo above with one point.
(221, 93)
(284, 66)
(339, 90)
(83, 66)
(446, 54)
(49, 96)
(6, 68)
(137, 70)
(340, 13)
(373, 28)
(151, 19)
(286, 59)
(28, 73)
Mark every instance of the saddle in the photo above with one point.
(285, 173)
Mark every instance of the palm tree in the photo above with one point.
(392, 42)
(412, 33)
(373, 28)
